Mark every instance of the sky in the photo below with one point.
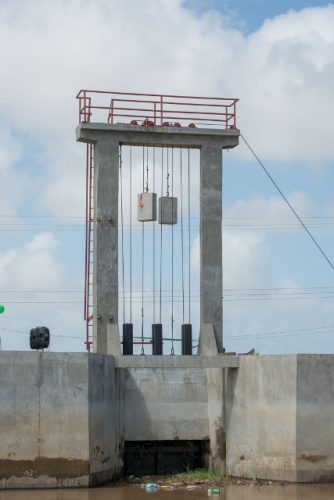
(276, 57)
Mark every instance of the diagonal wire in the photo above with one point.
(288, 203)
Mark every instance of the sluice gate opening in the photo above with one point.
(164, 457)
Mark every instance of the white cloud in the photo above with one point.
(260, 207)
(33, 286)
(12, 183)
(283, 74)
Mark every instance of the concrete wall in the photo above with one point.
(165, 404)
(43, 419)
(64, 417)
(315, 418)
(280, 418)
(53, 419)
(261, 418)
(106, 419)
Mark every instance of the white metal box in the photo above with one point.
(147, 207)
(167, 210)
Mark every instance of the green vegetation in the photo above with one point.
(198, 475)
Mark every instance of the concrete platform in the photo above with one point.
(137, 135)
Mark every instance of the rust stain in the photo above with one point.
(60, 468)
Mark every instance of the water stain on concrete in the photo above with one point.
(221, 441)
(59, 468)
(312, 458)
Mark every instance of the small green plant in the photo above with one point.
(199, 475)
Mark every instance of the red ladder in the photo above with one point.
(89, 254)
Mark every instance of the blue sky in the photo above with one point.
(250, 14)
(276, 282)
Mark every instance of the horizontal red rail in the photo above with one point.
(143, 342)
(156, 109)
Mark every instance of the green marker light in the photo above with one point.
(2, 309)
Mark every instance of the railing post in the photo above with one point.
(111, 112)
(89, 108)
(84, 106)
(161, 110)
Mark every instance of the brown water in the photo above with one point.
(290, 492)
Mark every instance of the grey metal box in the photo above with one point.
(167, 210)
(147, 207)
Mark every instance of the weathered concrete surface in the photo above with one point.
(64, 417)
(106, 419)
(216, 399)
(261, 418)
(165, 404)
(280, 418)
(43, 420)
(315, 418)
(56, 410)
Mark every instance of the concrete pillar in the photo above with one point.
(105, 284)
(216, 403)
(211, 238)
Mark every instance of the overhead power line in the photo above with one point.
(23, 332)
(288, 203)
(320, 330)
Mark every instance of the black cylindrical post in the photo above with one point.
(187, 340)
(157, 339)
(127, 339)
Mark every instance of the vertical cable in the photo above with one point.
(130, 234)
(189, 250)
(147, 169)
(142, 265)
(162, 193)
(172, 350)
(154, 241)
(182, 243)
(167, 175)
(122, 227)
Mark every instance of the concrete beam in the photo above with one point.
(136, 135)
(219, 361)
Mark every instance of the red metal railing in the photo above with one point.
(155, 109)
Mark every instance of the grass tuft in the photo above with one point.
(199, 475)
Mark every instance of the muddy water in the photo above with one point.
(304, 492)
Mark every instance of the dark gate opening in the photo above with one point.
(164, 457)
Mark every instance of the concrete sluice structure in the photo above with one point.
(65, 419)
(74, 419)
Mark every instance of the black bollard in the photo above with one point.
(127, 339)
(187, 340)
(157, 339)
